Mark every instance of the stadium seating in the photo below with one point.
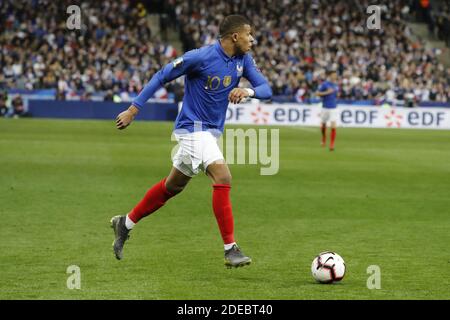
(116, 52)
(298, 40)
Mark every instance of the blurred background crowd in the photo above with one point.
(116, 51)
(298, 40)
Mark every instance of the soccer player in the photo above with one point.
(212, 74)
(328, 91)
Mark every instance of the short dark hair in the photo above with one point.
(231, 24)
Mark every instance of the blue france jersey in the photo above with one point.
(329, 101)
(210, 76)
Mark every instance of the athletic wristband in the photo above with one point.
(251, 92)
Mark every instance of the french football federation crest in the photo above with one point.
(240, 70)
(226, 81)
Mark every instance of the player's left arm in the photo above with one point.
(260, 86)
(324, 93)
(324, 90)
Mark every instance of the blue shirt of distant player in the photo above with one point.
(210, 76)
(329, 101)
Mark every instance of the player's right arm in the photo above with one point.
(189, 62)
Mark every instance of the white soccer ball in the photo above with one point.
(328, 267)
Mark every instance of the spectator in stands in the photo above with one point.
(3, 107)
(425, 13)
(443, 24)
(108, 96)
(19, 107)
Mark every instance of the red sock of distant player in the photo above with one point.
(154, 199)
(324, 134)
(333, 137)
(223, 212)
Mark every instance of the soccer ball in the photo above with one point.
(328, 267)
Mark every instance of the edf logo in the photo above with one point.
(234, 113)
(292, 115)
(358, 116)
(426, 118)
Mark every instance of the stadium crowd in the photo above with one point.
(299, 40)
(437, 17)
(116, 52)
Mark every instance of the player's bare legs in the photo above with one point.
(219, 172)
(220, 175)
(333, 135)
(154, 199)
(176, 181)
(323, 129)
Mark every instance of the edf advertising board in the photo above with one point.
(348, 116)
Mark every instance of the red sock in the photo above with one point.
(154, 199)
(223, 212)
(333, 137)
(324, 133)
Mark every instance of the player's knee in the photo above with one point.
(175, 188)
(223, 179)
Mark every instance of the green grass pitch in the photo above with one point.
(382, 198)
